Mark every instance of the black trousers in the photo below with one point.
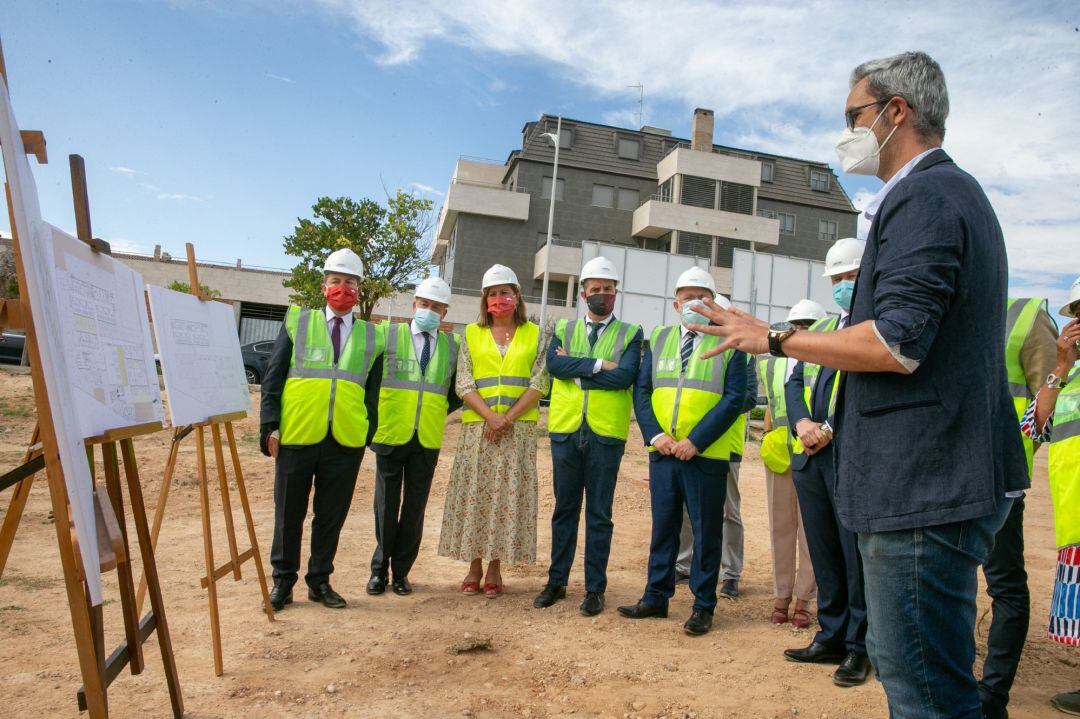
(1006, 583)
(332, 469)
(402, 482)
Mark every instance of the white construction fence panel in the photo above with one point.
(768, 285)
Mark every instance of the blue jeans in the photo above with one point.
(583, 464)
(920, 594)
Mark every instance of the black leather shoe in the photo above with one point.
(816, 654)
(593, 604)
(852, 671)
(280, 595)
(376, 585)
(326, 596)
(641, 610)
(730, 589)
(548, 596)
(992, 710)
(700, 622)
(402, 586)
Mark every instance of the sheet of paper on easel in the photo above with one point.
(200, 356)
(42, 293)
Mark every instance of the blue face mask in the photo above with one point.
(841, 293)
(426, 320)
(689, 316)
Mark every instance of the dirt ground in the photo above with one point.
(388, 655)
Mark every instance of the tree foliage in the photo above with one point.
(9, 279)
(185, 287)
(391, 241)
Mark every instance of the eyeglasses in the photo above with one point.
(852, 114)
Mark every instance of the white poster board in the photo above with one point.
(200, 356)
(42, 292)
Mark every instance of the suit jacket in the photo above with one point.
(715, 422)
(818, 411)
(581, 368)
(273, 385)
(943, 443)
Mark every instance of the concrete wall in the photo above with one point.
(242, 285)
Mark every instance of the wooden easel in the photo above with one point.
(236, 558)
(98, 671)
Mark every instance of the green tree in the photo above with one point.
(185, 287)
(9, 279)
(391, 241)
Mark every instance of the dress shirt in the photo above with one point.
(604, 324)
(346, 325)
(418, 340)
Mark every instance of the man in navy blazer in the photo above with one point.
(928, 451)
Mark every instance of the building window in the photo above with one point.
(566, 138)
(735, 197)
(663, 191)
(819, 180)
(826, 231)
(768, 171)
(771, 214)
(695, 244)
(629, 149)
(725, 250)
(603, 196)
(628, 199)
(787, 223)
(657, 244)
(545, 191)
(698, 192)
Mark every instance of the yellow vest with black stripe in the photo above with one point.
(681, 399)
(411, 402)
(1064, 462)
(320, 394)
(1019, 319)
(607, 411)
(811, 373)
(502, 380)
(777, 445)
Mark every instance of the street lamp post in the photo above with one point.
(551, 220)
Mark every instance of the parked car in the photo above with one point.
(11, 347)
(256, 356)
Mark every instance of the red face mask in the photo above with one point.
(341, 298)
(500, 305)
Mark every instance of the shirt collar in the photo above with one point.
(416, 330)
(346, 320)
(603, 323)
(875, 202)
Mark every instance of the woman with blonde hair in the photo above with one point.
(490, 510)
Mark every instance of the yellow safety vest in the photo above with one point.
(811, 373)
(777, 445)
(1064, 462)
(502, 380)
(1019, 319)
(411, 402)
(607, 411)
(681, 399)
(320, 394)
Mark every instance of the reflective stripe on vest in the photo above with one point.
(411, 402)
(1019, 319)
(680, 400)
(502, 380)
(1064, 462)
(316, 389)
(607, 411)
(811, 373)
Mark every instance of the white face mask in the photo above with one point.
(858, 149)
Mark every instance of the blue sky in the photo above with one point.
(221, 122)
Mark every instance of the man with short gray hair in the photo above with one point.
(928, 449)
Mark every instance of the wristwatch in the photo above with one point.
(779, 332)
(1055, 382)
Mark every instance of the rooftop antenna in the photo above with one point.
(641, 104)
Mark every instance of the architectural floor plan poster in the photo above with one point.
(46, 300)
(200, 356)
(106, 337)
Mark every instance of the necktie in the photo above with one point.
(425, 356)
(594, 332)
(335, 337)
(687, 348)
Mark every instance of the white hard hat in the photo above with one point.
(806, 311)
(346, 262)
(844, 256)
(434, 289)
(499, 275)
(599, 268)
(1074, 297)
(696, 277)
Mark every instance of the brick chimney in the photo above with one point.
(701, 132)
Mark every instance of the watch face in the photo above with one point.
(781, 327)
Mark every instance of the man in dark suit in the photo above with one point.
(928, 450)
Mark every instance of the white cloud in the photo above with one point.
(279, 78)
(182, 197)
(776, 75)
(125, 171)
(428, 189)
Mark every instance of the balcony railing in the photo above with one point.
(492, 185)
(541, 242)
